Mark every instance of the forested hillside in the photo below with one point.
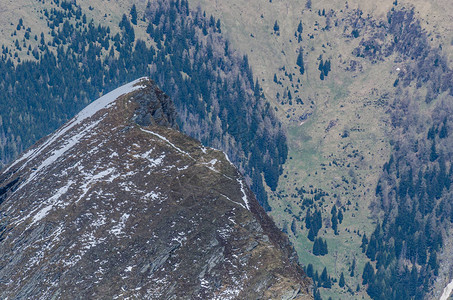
(217, 97)
(414, 190)
(364, 88)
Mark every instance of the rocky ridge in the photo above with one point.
(119, 204)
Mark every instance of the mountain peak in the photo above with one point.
(118, 203)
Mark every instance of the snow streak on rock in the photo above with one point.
(88, 112)
(167, 141)
(447, 291)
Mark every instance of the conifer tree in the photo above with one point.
(325, 251)
(293, 227)
(368, 273)
(316, 247)
(300, 28)
(311, 235)
(317, 295)
(364, 243)
(133, 14)
(309, 270)
(276, 26)
(340, 216)
(334, 219)
(341, 283)
(300, 61)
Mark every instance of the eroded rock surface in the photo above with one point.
(119, 204)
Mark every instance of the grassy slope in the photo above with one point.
(350, 100)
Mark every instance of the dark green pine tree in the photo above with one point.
(317, 221)
(352, 269)
(212, 22)
(150, 29)
(316, 277)
(320, 247)
(218, 26)
(324, 250)
(325, 279)
(324, 275)
(368, 273)
(316, 247)
(311, 234)
(300, 28)
(413, 281)
(317, 295)
(276, 26)
(341, 283)
(433, 263)
(326, 67)
(340, 216)
(293, 227)
(133, 14)
(364, 243)
(300, 61)
(309, 270)
(308, 219)
(371, 249)
(421, 249)
(334, 219)
(432, 133)
(433, 155)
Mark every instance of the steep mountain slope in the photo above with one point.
(79, 55)
(117, 203)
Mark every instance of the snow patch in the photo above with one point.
(210, 165)
(244, 195)
(128, 269)
(152, 195)
(51, 202)
(99, 221)
(58, 153)
(183, 168)
(447, 291)
(93, 179)
(227, 158)
(180, 238)
(89, 111)
(117, 230)
(154, 162)
(42, 213)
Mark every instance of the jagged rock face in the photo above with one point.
(118, 204)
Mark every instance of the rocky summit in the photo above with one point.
(118, 204)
